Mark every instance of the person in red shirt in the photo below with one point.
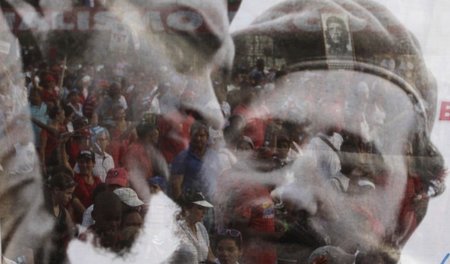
(86, 180)
(122, 133)
(50, 136)
(137, 159)
(49, 93)
(174, 129)
(250, 208)
(250, 123)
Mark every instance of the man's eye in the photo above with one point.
(362, 164)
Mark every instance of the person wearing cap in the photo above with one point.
(103, 160)
(107, 214)
(85, 179)
(129, 198)
(117, 178)
(400, 167)
(132, 216)
(195, 236)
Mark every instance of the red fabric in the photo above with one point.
(137, 159)
(255, 127)
(73, 149)
(89, 105)
(49, 95)
(52, 144)
(174, 134)
(83, 191)
(254, 203)
(117, 148)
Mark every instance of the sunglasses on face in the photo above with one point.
(230, 233)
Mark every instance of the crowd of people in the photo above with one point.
(326, 159)
(93, 130)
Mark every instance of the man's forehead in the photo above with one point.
(338, 96)
(338, 82)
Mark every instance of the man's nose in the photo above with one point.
(203, 100)
(309, 193)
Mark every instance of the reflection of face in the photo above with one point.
(336, 31)
(364, 216)
(228, 252)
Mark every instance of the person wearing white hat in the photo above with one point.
(195, 237)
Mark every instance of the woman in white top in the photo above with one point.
(196, 237)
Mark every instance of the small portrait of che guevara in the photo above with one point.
(337, 38)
